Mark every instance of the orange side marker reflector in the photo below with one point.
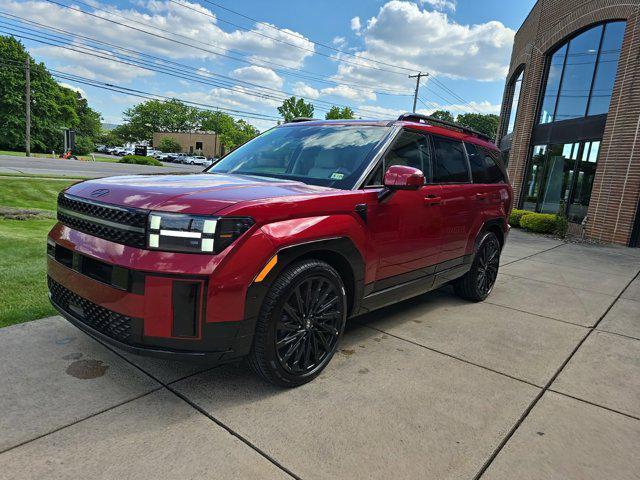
(267, 268)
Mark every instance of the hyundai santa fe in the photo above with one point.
(266, 253)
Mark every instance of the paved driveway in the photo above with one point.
(542, 381)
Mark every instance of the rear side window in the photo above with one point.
(450, 163)
(484, 165)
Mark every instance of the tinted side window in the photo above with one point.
(484, 164)
(410, 149)
(450, 165)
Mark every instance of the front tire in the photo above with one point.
(300, 324)
(478, 282)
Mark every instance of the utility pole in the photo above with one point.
(27, 100)
(415, 95)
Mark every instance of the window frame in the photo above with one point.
(379, 161)
(547, 64)
(466, 159)
(511, 90)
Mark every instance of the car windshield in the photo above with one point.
(326, 155)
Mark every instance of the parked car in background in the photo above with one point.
(164, 157)
(196, 160)
(101, 149)
(113, 150)
(220, 266)
(179, 157)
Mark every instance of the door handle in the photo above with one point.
(481, 196)
(432, 200)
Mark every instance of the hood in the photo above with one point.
(201, 193)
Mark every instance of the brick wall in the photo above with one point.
(617, 184)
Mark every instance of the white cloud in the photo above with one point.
(198, 24)
(430, 41)
(356, 25)
(91, 66)
(262, 76)
(303, 90)
(441, 4)
(349, 93)
(82, 93)
(339, 42)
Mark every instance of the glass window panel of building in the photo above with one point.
(581, 74)
(516, 86)
(560, 178)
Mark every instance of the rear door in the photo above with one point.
(405, 228)
(451, 172)
(489, 177)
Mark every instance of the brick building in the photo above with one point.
(195, 143)
(570, 118)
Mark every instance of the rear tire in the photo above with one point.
(478, 282)
(300, 324)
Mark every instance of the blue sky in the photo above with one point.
(348, 52)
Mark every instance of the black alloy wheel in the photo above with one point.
(478, 282)
(300, 324)
(488, 263)
(309, 325)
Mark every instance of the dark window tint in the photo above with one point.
(484, 165)
(450, 164)
(410, 149)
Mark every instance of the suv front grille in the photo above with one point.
(116, 224)
(105, 321)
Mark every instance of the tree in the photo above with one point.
(295, 108)
(151, 116)
(232, 133)
(337, 113)
(53, 107)
(169, 145)
(483, 123)
(444, 115)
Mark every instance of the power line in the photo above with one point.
(288, 43)
(148, 95)
(330, 47)
(282, 69)
(145, 66)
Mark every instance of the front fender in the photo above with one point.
(337, 239)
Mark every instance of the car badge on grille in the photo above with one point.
(100, 192)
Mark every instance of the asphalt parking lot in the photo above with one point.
(541, 381)
(79, 168)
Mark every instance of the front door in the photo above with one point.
(405, 227)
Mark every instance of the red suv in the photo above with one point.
(267, 252)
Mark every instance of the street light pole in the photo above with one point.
(27, 97)
(415, 95)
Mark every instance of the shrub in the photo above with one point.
(516, 217)
(84, 145)
(139, 160)
(169, 145)
(539, 222)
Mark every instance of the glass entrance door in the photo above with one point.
(560, 178)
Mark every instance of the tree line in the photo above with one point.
(53, 107)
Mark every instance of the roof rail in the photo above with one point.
(416, 117)
(302, 119)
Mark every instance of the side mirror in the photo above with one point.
(400, 177)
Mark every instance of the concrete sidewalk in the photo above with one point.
(541, 381)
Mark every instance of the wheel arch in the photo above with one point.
(339, 252)
(493, 225)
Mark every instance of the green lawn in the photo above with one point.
(23, 246)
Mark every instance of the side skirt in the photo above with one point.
(445, 272)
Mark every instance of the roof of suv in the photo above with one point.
(413, 120)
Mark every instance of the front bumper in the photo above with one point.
(143, 312)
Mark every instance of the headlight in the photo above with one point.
(177, 232)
